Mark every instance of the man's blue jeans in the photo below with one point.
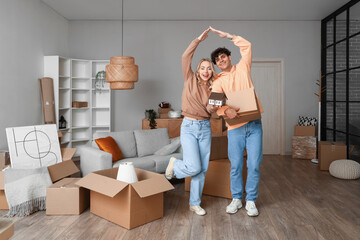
(249, 136)
(196, 143)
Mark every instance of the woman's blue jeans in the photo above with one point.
(249, 136)
(196, 143)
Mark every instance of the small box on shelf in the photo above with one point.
(77, 104)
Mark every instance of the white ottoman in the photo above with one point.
(345, 169)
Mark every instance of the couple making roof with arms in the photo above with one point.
(196, 131)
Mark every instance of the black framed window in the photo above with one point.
(340, 67)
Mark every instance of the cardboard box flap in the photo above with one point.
(152, 186)
(67, 153)
(2, 180)
(66, 182)
(62, 170)
(244, 99)
(102, 184)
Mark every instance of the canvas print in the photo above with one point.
(33, 146)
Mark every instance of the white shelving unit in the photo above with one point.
(74, 80)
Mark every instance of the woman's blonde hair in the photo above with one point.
(197, 74)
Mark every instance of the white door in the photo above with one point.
(267, 78)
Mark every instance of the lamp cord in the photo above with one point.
(122, 27)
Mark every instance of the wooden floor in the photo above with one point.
(296, 201)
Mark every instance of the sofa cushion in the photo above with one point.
(145, 163)
(163, 161)
(149, 141)
(124, 139)
(169, 148)
(109, 145)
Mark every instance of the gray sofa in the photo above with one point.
(146, 149)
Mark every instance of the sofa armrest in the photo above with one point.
(92, 159)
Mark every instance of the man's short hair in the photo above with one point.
(219, 51)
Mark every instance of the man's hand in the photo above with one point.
(204, 35)
(231, 112)
(212, 108)
(221, 33)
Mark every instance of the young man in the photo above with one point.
(243, 135)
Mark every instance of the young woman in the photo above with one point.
(195, 129)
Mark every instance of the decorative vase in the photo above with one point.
(126, 173)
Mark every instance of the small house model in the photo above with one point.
(217, 99)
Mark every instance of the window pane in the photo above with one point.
(329, 32)
(341, 26)
(354, 85)
(329, 115)
(330, 87)
(354, 118)
(330, 59)
(340, 56)
(329, 135)
(340, 117)
(340, 137)
(354, 51)
(355, 19)
(340, 86)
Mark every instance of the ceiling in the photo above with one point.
(286, 10)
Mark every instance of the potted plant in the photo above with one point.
(150, 114)
(100, 80)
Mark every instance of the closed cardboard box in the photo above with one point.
(6, 228)
(329, 152)
(66, 198)
(249, 105)
(128, 205)
(217, 180)
(304, 147)
(306, 131)
(164, 110)
(219, 147)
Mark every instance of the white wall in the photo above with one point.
(29, 30)
(158, 45)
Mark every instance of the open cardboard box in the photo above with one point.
(66, 198)
(128, 205)
(56, 171)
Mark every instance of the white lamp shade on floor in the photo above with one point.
(126, 173)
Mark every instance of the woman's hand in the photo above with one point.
(204, 35)
(221, 33)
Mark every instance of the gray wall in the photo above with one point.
(29, 30)
(158, 45)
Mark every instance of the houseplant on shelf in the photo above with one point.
(151, 115)
(100, 81)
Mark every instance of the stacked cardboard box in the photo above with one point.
(304, 142)
(217, 180)
(163, 112)
(329, 152)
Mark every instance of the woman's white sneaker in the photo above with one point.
(198, 210)
(251, 209)
(169, 172)
(234, 206)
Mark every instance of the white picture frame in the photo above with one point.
(33, 146)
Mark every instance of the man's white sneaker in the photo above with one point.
(169, 173)
(251, 209)
(234, 206)
(198, 210)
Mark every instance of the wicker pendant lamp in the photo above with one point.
(122, 72)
